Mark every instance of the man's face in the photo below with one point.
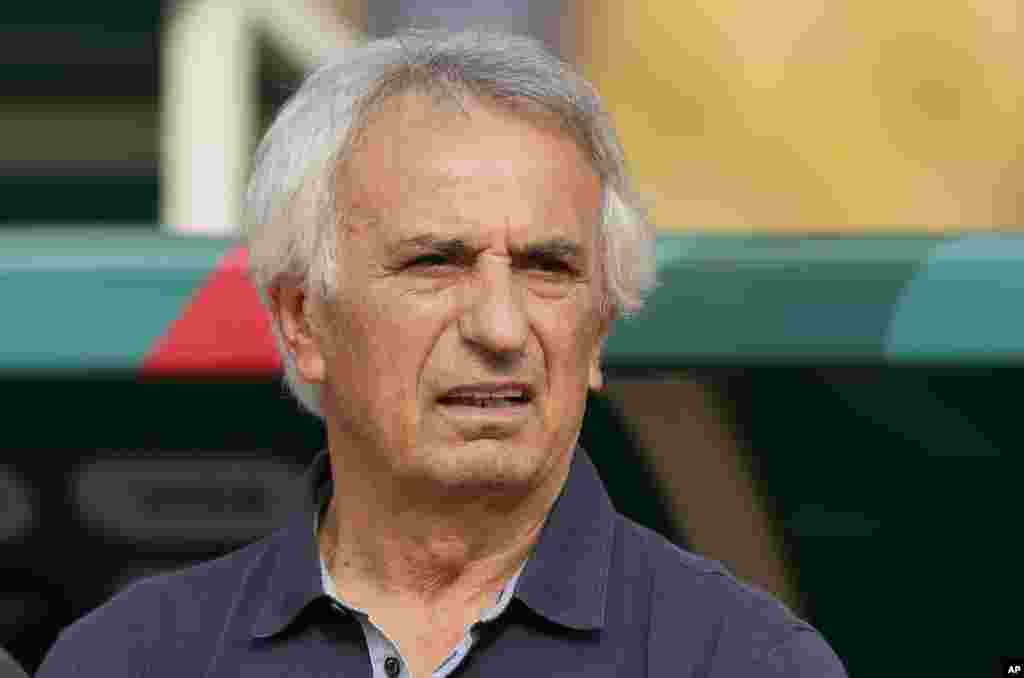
(510, 297)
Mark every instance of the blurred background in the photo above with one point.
(823, 394)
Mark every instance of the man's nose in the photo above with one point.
(493, 316)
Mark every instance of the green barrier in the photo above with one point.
(100, 298)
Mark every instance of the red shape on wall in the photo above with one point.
(223, 329)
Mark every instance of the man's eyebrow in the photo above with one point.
(433, 243)
(553, 248)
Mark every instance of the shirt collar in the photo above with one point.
(292, 559)
(564, 580)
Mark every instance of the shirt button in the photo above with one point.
(392, 666)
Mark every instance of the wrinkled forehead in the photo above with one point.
(412, 117)
(437, 101)
(482, 165)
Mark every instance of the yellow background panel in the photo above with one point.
(816, 115)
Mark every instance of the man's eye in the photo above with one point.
(548, 265)
(429, 260)
(553, 265)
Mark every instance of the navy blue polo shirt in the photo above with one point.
(599, 596)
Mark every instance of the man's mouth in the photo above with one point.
(485, 402)
(509, 398)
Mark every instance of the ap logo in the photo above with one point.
(1011, 666)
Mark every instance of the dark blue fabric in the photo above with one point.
(600, 596)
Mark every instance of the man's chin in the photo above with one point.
(485, 465)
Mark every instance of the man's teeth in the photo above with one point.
(484, 402)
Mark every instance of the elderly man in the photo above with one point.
(442, 229)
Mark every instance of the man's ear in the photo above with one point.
(596, 376)
(294, 311)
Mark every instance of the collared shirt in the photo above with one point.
(600, 596)
(384, 652)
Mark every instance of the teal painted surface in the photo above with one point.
(85, 298)
(80, 299)
(731, 300)
(964, 304)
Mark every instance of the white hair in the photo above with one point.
(292, 210)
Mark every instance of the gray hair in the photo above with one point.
(292, 209)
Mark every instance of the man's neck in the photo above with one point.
(428, 556)
(438, 571)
